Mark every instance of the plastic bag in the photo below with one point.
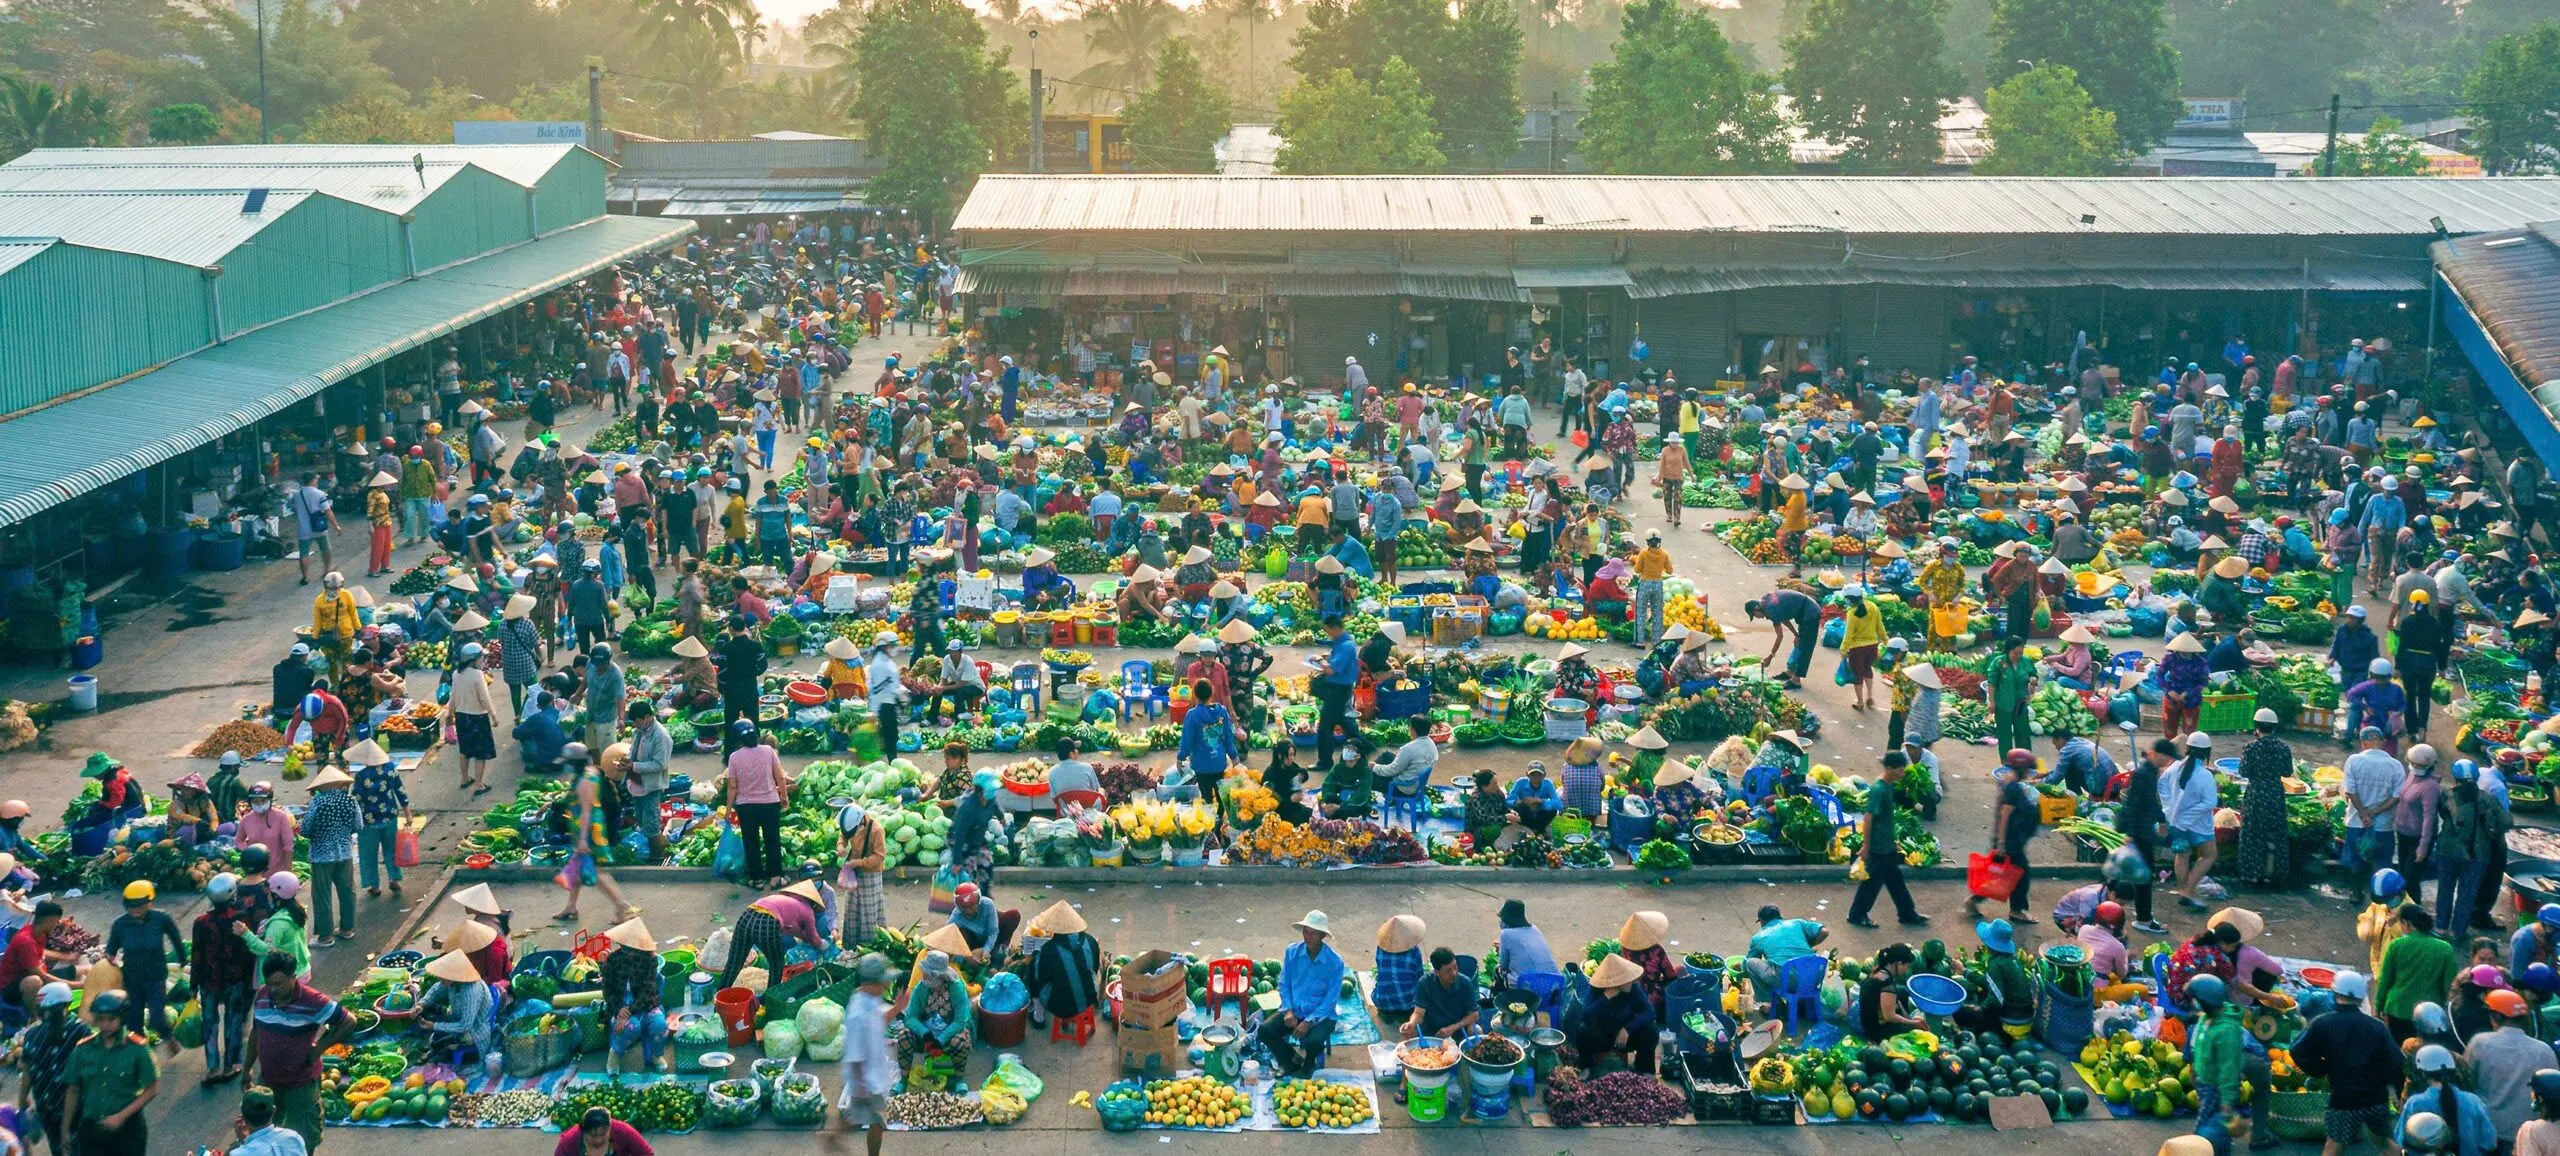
(1010, 1070)
(781, 1040)
(946, 881)
(404, 848)
(1003, 994)
(729, 856)
(189, 1030)
(714, 955)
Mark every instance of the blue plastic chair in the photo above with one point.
(1026, 686)
(1394, 804)
(1799, 998)
(1760, 782)
(2160, 975)
(1548, 986)
(1138, 690)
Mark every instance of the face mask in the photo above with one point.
(260, 805)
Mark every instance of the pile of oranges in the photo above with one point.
(1195, 1102)
(1320, 1104)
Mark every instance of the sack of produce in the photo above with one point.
(797, 1100)
(782, 1040)
(732, 1103)
(829, 1052)
(1010, 1071)
(768, 1073)
(821, 1021)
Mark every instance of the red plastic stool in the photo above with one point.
(1079, 1027)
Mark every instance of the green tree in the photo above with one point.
(2382, 151)
(184, 124)
(1468, 60)
(1123, 36)
(1343, 124)
(931, 100)
(2513, 99)
(27, 107)
(2117, 48)
(1175, 126)
(313, 61)
(2043, 124)
(1873, 76)
(1674, 99)
(2285, 56)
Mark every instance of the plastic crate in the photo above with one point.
(2224, 714)
(1452, 627)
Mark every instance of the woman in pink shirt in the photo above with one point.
(757, 787)
(266, 825)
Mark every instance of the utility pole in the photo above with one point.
(1555, 116)
(263, 137)
(595, 105)
(2329, 153)
(1039, 137)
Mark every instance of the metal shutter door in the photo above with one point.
(1895, 327)
(1688, 335)
(1324, 330)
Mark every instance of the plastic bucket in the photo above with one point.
(736, 1007)
(84, 692)
(218, 552)
(1003, 1029)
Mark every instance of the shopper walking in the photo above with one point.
(331, 824)
(1881, 854)
(110, 1077)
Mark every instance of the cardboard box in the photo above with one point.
(1154, 1052)
(1154, 990)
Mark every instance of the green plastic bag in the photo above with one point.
(189, 1030)
(1275, 565)
(1018, 1078)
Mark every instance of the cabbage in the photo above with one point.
(821, 1020)
(781, 1040)
(829, 1052)
(932, 842)
(704, 792)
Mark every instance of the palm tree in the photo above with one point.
(1124, 36)
(27, 107)
(726, 26)
(1249, 13)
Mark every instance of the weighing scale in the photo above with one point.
(1221, 1049)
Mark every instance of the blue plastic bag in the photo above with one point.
(1004, 994)
(729, 857)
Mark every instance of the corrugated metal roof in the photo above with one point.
(764, 202)
(1592, 277)
(523, 164)
(15, 251)
(2371, 278)
(1277, 283)
(189, 228)
(387, 187)
(57, 453)
(2375, 206)
(2510, 282)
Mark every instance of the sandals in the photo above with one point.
(630, 911)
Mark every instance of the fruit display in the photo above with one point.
(1423, 545)
(664, 1106)
(1583, 629)
(1916, 1076)
(1321, 1104)
(2150, 1078)
(1195, 1102)
(1026, 773)
(732, 1103)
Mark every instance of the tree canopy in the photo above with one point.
(2513, 99)
(1175, 126)
(935, 106)
(1467, 61)
(1674, 99)
(2118, 49)
(1873, 75)
(2043, 124)
(1343, 124)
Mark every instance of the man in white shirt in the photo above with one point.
(2372, 788)
(1354, 378)
(869, 1074)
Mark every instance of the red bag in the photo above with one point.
(1992, 876)
(404, 848)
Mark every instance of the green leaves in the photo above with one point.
(2043, 124)
(1343, 124)
(2512, 98)
(1674, 99)
(2117, 48)
(1873, 75)
(931, 100)
(1175, 126)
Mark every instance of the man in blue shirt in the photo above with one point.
(1336, 673)
(1534, 800)
(2384, 517)
(2080, 765)
(1310, 987)
(1779, 941)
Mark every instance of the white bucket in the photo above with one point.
(84, 693)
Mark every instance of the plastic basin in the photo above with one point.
(1936, 995)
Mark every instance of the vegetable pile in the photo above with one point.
(1619, 1099)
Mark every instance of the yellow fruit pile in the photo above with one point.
(1319, 1104)
(1195, 1102)
(1578, 630)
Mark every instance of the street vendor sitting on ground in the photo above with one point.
(461, 1008)
(1779, 942)
(1043, 587)
(1640, 942)
(1144, 597)
(1445, 1003)
(843, 678)
(1535, 802)
(988, 931)
(935, 1015)
(1619, 1025)
(1675, 790)
(634, 1014)
(2012, 997)
(1300, 1031)
(1881, 1010)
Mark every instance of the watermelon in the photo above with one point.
(1897, 1107)
(2075, 1100)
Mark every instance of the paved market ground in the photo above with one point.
(179, 663)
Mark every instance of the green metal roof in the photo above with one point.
(51, 455)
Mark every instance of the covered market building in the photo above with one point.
(2502, 307)
(1707, 277)
(180, 327)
